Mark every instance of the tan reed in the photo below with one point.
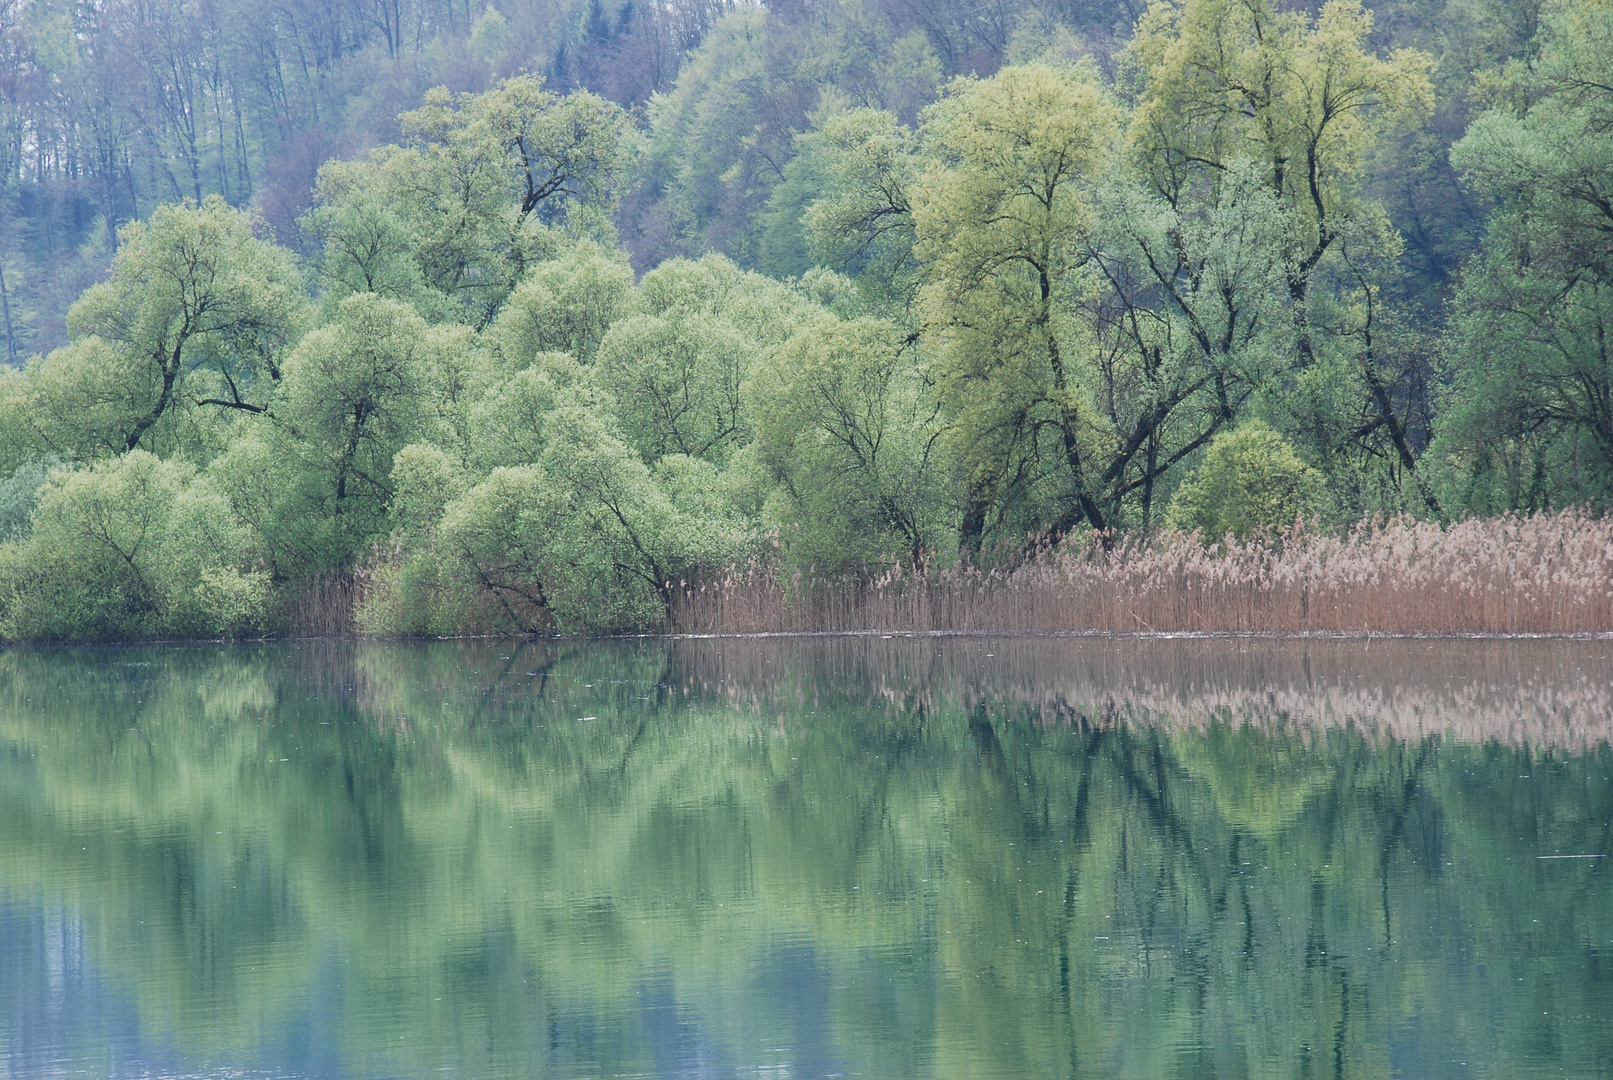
(322, 607)
(1536, 574)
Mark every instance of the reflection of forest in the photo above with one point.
(954, 858)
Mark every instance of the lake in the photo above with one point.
(961, 857)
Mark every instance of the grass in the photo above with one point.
(1538, 574)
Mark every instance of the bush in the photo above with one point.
(19, 494)
(1250, 482)
(130, 547)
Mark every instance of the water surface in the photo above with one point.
(808, 858)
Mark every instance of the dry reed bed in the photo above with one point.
(1540, 574)
(323, 606)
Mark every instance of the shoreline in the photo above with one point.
(874, 635)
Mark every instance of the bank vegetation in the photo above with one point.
(1124, 340)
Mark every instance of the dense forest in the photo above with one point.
(520, 317)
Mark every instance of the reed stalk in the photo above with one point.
(1537, 574)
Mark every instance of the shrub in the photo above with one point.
(1250, 482)
(130, 547)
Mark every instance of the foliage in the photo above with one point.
(1528, 422)
(130, 547)
(1249, 483)
(847, 426)
(483, 187)
(197, 315)
(19, 495)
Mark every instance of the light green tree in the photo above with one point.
(1249, 483)
(565, 304)
(675, 380)
(1223, 80)
(356, 391)
(131, 546)
(1089, 334)
(1307, 101)
(365, 245)
(848, 427)
(484, 186)
(862, 221)
(1003, 219)
(196, 315)
(583, 539)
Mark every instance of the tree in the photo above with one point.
(365, 246)
(847, 425)
(355, 393)
(584, 539)
(1090, 335)
(1222, 80)
(564, 305)
(1187, 323)
(1003, 219)
(1530, 421)
(129, 547)
(862, 222)
(197, 312)
(486, 185)
(675, 380)
(1250, 482)
(1307, 101)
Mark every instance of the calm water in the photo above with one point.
(886, 858)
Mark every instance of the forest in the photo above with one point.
(454, 317)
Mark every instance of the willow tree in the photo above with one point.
(846, 426)
(1221, 82)
(483, 187)
(196, 315)
(1087, 335)
(1003, 218)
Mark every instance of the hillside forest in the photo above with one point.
(522, 317)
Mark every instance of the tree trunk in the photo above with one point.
(5, 310)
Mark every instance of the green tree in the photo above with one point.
(1529, 422)
(484, 185)
(356, 391)
(1250, 482)
(365, 245)
(584, 539)
(675, 380)
(862, 221)
(565, 304)
(1222, 80)
(1004, 218)
(197, 314)
(847, 425)
(130, 547)
(1090, 334)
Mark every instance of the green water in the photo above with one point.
(804, 858)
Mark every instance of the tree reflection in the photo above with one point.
(899, 858)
